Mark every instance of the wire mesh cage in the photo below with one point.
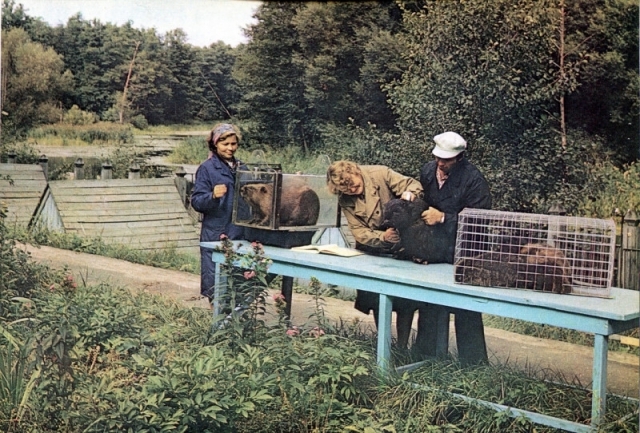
(548, 253)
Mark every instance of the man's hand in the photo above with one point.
(408, 196)
(219, 190)
(391, 236)
(432, 216)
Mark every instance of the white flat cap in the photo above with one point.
(448, 145)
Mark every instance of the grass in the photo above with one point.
(165, 258)
(100, 133)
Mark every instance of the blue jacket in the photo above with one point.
(216, 212)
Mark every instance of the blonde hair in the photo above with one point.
(340, 174)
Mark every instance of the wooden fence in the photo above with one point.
(628, 253)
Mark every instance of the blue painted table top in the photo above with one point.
(622, 305)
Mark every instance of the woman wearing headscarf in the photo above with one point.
(213, 194)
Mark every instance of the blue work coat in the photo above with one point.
(216, 213)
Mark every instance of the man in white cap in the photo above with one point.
(451, 183)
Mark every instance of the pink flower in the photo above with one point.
(316, 332)
(223, 237)
(278, 298)
(256, 244)
(249, 274)
(293, 332)
(52, 287)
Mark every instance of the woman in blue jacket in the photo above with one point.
(212, 196)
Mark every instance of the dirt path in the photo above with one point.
(569, 361)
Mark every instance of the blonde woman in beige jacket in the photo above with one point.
(362, 193)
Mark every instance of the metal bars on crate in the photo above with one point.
(548, 253)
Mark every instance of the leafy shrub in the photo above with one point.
(76, 116)
(139, 122)
(19, 276)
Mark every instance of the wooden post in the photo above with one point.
(44, 163)
(629, 266)
(107, 172)
(78, 171)
(134, 171)
(181, 185)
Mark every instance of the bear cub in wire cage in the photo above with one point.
(547, 269)
(418, 242)
(535, 266)
(299, 204)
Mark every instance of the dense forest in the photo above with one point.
(544, 91)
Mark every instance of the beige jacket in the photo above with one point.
(364, 213)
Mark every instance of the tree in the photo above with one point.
(33, 80)
(316, 71)
(220, 92)
(180, 59)
(498, 84)
(271, 83)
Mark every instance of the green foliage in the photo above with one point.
(19, 277)
(94, 133)
(192, 150)
(316, 71)
(26, 153)
(292, 159)
(163, 258)
(99, 358)
(613, 191)
(76, 116)
(33, 78)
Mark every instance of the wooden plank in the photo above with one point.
(116, 198)
(131, 221)
(141, 231)
(121, 190)
(22, 176)
(629, 341)
(111, 183)
(147, 239)
(106, 213)
(106, 226)
(22, 183)
(170, 244)
(20, 168)
(20, 195)
(172, 204)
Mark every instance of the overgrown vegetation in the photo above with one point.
(69, 134)
(161, 258)
(97, 358)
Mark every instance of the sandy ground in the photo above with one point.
(569, 361)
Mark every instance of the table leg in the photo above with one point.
(287, 292)
(384, 333)
(218, 291)
(599, 386)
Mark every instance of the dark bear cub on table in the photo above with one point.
(418, 241)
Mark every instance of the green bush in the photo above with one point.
(76, 116)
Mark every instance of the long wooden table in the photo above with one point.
(435, 284)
